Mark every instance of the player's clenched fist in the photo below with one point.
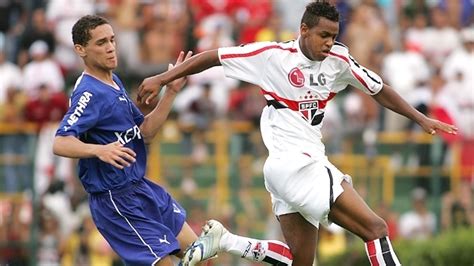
(116, 154)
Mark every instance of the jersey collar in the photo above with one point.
(300, 52)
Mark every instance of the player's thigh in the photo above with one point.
(351, 212)
(185, 238)
(301, 236)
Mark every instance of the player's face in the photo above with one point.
(100, 50)
(316, 42)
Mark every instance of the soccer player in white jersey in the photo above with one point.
(298, 78)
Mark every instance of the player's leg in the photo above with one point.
(216, 238)
(301, 237)
(351, 212)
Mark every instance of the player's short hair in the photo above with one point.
(316, 10)
(81, 29)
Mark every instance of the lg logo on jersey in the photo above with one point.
(128, 135)
(321, 80)
(296, 78)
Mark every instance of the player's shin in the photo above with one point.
(272, 252)
(380, 252)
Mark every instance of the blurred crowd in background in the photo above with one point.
(423, 48)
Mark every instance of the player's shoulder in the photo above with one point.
(340, 49)
(86, 83)
(340, 52)
(270, 45)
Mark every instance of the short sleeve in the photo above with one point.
(246, 62)
(82, 115)
(361, 77)
(138, 116)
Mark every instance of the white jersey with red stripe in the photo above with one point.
(296, 88)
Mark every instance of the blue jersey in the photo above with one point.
(101, 114)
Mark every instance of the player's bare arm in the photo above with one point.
(151, 86)
(155, 119)
(392, 100)
(114, 153)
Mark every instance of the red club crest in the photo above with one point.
(296, 77)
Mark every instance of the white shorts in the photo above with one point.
(299, 183)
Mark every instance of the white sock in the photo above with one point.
(380, 252)
(273, 252)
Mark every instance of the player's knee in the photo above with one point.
(377, 229)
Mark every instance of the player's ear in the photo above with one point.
(80, 50)
(303, 29)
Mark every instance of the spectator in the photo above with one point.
(274, 31)
(416, 35)
(41, 70)
(126, 16)
(418, 223)
(37, 29)
(457, 209)
(48, 240)
(62, 14)
(47, 107)
(251, 16)
(12, 15)
(458, 72)
(405, 70)
(441, 38)
(10, 74)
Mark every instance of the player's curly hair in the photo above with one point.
(317, 9)
(81, 29)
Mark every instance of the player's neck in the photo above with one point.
(104, 76)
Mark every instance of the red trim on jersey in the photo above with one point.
(361, 80)
(294, 105)
(322, 103)
(263, 49)
(340, 56)
(280, 249)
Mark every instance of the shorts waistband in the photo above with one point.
(124, 189)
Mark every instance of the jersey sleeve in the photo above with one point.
(246, 62)
(138, 116)
(83, 114)
(361, 77)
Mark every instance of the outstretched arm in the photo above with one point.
(114, 153)
(390, 99)
(155, 119)
(151, 86)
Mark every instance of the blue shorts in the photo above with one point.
(140, 222)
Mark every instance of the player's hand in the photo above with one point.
(116, 154)
(178, 84)
(432, 126)
(151, 86)
(149, 89)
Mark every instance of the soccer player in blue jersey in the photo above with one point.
(107, 132)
